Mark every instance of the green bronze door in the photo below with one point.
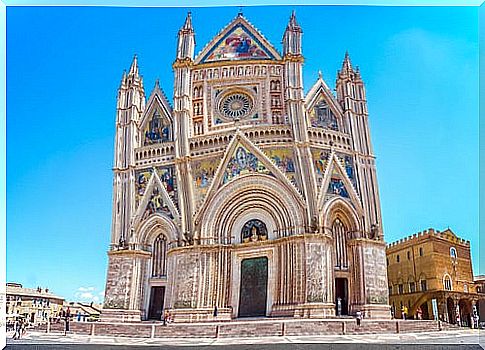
(253, 291)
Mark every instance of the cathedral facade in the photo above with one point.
(244, 196)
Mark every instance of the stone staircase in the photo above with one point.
(249, 328)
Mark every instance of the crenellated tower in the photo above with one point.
(352, 98)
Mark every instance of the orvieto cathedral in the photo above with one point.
(244, 196)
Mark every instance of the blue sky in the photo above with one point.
(64, 65)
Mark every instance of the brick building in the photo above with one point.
(36, 305)
(432, 270)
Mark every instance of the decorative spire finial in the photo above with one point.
(188, 21)
(134, 66)
(320, 74)
(240, 13)
(346, 65)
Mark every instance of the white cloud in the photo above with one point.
(88, 294)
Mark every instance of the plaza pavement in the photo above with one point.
(460, 339)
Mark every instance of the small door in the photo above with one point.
(341, 297)
(254, 286)
(157, 295)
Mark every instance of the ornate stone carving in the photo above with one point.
(316, 268)
(375, 272)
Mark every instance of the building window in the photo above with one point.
(340, 241)
(447, 282)
(424, 287)
(465, 288)
(159, 256)
(401, 289)
(412, 287)
(421, 252)
(409, 255)
(397, 258)
(453, 252)
(390, 290)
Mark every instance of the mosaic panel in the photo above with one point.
(320, 162)
(321, 116)
(348, 163)
(156, 205)
(284, 159)
(203, 172)
(243, 162)
(336, 185)
(158, 130)
(167, 176)
(238, 44)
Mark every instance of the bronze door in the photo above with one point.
(254, 285)
(157, 296)
(341, 297)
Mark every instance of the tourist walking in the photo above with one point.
(17, 329)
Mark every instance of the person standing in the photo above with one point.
(419, 313)
(358, 317)
(404, 312)
(23, 328)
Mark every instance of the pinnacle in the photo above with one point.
(134, 66)
(347, 65)
(293, 24)
(188, 22)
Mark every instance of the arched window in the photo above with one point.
(340, 240)
(453, 252)
(159, 256)
(447, 282)
(254, 230)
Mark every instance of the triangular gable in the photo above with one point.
(318, 94)
(337, 183)
(243, 157)
(239, 40)
(157, 107)
(156, 200)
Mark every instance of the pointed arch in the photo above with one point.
(338, 208)
(255, 196)
(148, 230)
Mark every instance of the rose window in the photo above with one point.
(236, 106)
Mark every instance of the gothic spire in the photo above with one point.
(186, 40)
(134, 67)
(293, 24)
(292, 37)
(188, 23)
